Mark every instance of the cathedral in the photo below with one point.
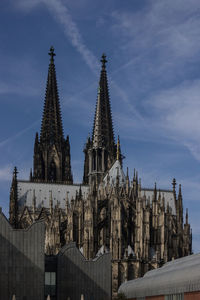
(108, 211)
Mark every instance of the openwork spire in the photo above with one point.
(103, 135)
(51, 128)
(52, 160)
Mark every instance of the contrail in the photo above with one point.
(20, 133)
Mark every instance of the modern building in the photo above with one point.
(107, 212)
(28, 274)
(176, 280)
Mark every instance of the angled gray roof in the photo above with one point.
(115, 170)
(168, 195)
(26, 190)
(178, 276)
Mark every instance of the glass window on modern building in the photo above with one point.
(50, 283)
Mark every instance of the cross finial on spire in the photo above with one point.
(174, 183)
(51, 53)
(15, 172)
(103, 60)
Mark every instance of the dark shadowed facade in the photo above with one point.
(21, 261)
(89, 278)
(109, 211)
(27, 273)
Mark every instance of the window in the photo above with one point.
(50, 283)
(175, 297)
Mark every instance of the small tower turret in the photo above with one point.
(13, 200)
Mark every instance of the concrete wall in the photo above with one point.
(21, 261)
(76, 275)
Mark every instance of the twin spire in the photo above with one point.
(52, 128)
(52, 159)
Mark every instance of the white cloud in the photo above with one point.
(161, 42)
(177, 112)
(165, 32)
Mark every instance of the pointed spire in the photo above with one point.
(118, 148)
(127, 181)
(15, 172)
(31, 175)
(51, 203)
(159, 196)
(163, 202)
(134, 175)
(174, 187)
(127, 173)
(36, 142)
(186, 217)
(179, 192)
(67, 169)
(103, 129)
(51, 128)
(155, 192)
(13, 200)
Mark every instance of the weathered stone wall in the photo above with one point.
(21, 261)
(76, 275)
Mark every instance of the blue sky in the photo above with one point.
(153, 51)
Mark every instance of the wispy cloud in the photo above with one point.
(171, 27)
(176, 111)
(16, 88)
(164, 46)
(18, 134)
(61, 13)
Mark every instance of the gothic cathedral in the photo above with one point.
(108, 212)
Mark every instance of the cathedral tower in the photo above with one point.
(52, 161)
(100, 151)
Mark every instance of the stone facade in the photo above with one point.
(108, 212)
